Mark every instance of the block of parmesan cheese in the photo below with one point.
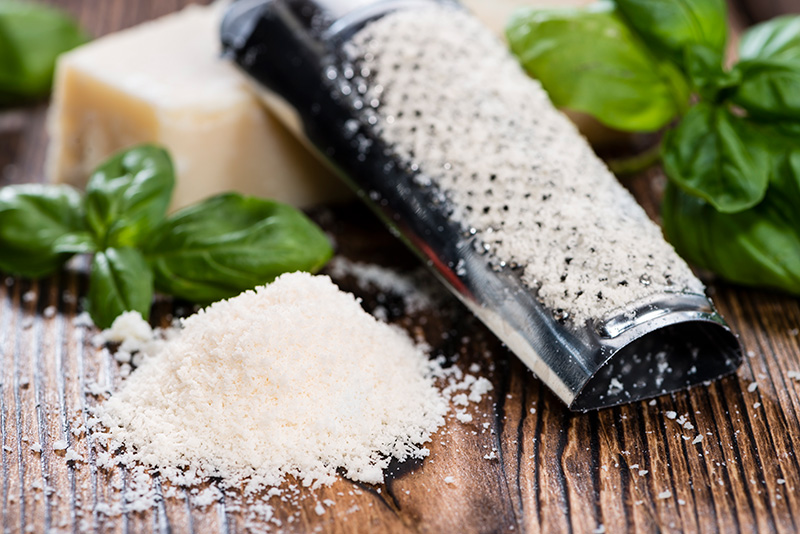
(164, 82)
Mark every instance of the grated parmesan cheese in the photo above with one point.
(293, 378)
(453, 104)
(418, 289)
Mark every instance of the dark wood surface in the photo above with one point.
(760, 10)
(626, 469)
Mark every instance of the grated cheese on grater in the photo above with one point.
(453, 104)
(293, 378)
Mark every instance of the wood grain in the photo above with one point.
(626, 469)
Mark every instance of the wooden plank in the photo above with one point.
(627, 469)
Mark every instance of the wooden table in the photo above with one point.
(626, 469)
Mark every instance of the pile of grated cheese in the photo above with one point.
(453, 104)
(294, 378)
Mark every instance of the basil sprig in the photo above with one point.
(32, 35)
(731, 145)
(209, 251)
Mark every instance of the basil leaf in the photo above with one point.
(718, 157)
(128, 195)
(229, 243)
(120, 281)
(11, 72)
(770, 89)
(704, 67)
(40, 228)
(770, 67)
(780, 134)
(32, 36)
(588, 60)
(756, 247)
(785, 187)
(777, 39)
(672, 25)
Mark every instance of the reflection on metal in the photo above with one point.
(292, 50)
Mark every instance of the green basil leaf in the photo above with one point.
(777, 39)
(11, 72)
(120, 281)
(671, 25)
(718, 157)
(705, 70)
(755, 247)
(770, 67)
(780, 134)
(770, 89)
(218, 248)
(785, 187)
(128, 195)
(32, 36)
(40, 228)
(588, 60)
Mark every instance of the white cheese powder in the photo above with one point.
(293, 378)
(452, 102)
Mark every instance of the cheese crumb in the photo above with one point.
(131, 330)
(82, 320)
(461, 399)
(464, 417)
(479, 388)
(666, 494)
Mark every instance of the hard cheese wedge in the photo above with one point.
(164, 82)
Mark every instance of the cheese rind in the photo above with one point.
(164, 82)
